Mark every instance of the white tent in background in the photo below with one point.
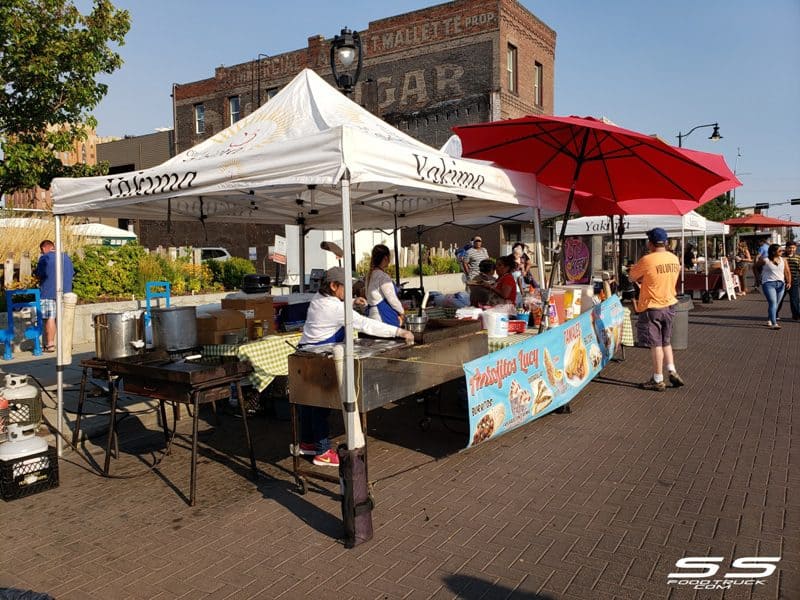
(309, 156)
(636, 226)
(100, 233)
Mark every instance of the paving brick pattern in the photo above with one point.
(597, 504)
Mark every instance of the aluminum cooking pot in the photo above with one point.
(174, 328)
(416, 323)
(118, 334)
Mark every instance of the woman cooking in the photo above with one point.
(325, 325)
(381, 292)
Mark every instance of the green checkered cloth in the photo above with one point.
(627, 327)
(496, 344)
(268, 356)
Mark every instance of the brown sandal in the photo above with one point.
(50, 348)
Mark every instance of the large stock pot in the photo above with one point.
(118, 334)
(174, 328)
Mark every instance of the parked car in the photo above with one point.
(220, 254)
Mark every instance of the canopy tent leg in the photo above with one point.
(59, 338)
(396, 250)
(683, 260)
(705, 262)
(419, 258)
(301, 242)
(537, 230)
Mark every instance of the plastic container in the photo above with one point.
(496, 324)
(680, 326)
(517, 326)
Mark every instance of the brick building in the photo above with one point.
(425, 71)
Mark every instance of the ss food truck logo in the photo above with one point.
(698, 572)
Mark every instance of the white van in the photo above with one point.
(220, 254)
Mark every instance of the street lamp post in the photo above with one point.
(347, 48)
(258, 67)
(713, 137)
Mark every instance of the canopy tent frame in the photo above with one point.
(257, 169)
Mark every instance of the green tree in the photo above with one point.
(50, 55)
(719, 209)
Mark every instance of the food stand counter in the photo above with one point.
(385, 371)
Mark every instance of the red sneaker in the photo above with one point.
(328, 458)
(307, 449)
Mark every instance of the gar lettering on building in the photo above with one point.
(426, 71)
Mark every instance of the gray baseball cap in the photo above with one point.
(334, 274)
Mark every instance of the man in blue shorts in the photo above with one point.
(657, 273)
(46, 274)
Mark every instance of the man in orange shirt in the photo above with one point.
(657, 273)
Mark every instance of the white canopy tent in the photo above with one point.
(637, 226)
(309, 156)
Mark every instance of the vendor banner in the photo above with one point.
(577, 261)
(525, 381)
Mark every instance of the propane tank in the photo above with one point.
(3, 419)
(25, 401)
(22, 442)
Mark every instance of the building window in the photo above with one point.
(537, 84)
(511, 67)
(233, 109)
(199, 118)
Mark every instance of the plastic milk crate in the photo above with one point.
(29, 475)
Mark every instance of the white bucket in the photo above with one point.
(496, 324)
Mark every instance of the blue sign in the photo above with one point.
(523, 382)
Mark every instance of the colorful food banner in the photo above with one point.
(518, 384)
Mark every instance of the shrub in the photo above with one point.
(230, 272)
(445, 264)
(107, 271)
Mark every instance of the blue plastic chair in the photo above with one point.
(152, 291)
(32, 332)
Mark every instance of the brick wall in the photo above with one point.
(424, 71)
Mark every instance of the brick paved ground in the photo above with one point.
(596, 504)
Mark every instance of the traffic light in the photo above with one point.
(762, 205)
(794, 201)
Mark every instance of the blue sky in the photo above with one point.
(656, 67)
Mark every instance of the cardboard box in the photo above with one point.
(252, 308)
(208, 338)
(220, 320)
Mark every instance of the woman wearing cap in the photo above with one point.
(325, 325)
(473, 257)
(384, 305)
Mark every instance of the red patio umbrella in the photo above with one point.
(592, 157)
(759, 221)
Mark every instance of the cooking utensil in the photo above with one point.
(118, 334)
(174, 328)
(416, 323)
